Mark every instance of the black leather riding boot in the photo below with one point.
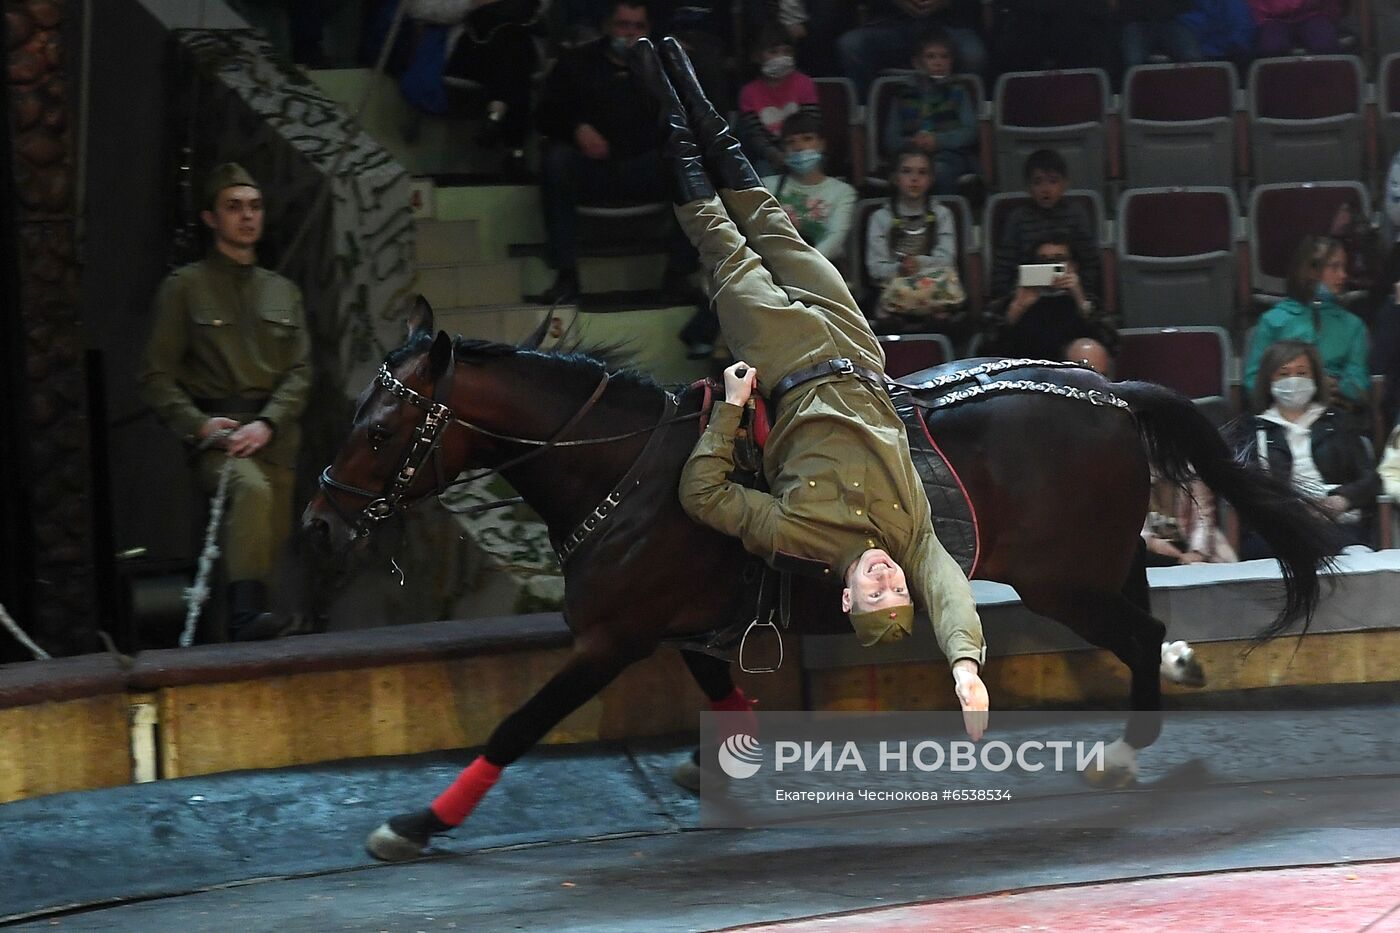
(724, 157)
(680, 153)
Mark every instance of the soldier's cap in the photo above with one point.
(883, 625)
(226, 176)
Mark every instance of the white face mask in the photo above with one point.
(1293, 392)
(779, 66)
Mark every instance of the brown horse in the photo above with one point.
(1060, 488)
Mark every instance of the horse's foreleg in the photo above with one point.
(717, 681)
(593, 666)
(1111, 621)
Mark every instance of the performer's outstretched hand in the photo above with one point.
(739, 381)
(972, 694)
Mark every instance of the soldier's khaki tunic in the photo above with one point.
(224, 330)
(837, 460)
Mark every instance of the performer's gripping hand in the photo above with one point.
(972, 694)
(739, 381)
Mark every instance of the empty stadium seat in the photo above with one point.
(1176, 256)
(877, 109)
(969, 258)
(1061, 110)
(1305, 119)
(1192, 360)
(1281, 215)
(999, 206)
(1388, 90)
(912, 353)
(1179, 124)
(841, 126)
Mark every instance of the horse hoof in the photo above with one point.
(388, 846)
(1179, 665)
(1110, 777)
(686, 774)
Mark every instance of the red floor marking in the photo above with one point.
(1340, 899)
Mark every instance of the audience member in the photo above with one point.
(1284, 24)
(1385, 357)
(497, 50)
(1316, 447)
(935, 114)
(887, 40)
(777, 93)
(1061, 321)
(601, 135)
(705, 28)
(1180, 526)
(1365, 286)
(1224, 29)
(1154, 26)
(1389, 468)
(1310, 314)
(820, 207)
(911, 256)
(822, 23)
(1052, 34)
(1047, 178)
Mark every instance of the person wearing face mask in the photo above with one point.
(1312, 315)
(936, 114)
(779, 91)
(1298, 434)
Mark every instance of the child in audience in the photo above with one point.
(1297, 435)
(936, 114)
(819, 206)
(1312, 315)
(1180, 526)
(777, 93)
(1284, 24)
(911, 256)
(1047, 178)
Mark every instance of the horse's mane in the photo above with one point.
(613, 358)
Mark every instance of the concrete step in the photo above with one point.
(508, 323)
(471, 284)
(448, 242)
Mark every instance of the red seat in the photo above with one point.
(1281, 215)
(906, 354)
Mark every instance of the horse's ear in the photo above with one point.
(440, 357)
(420, 319)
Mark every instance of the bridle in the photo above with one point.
(427, 442)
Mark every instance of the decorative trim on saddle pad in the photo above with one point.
(986, 386)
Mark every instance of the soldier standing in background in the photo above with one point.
(227, 369)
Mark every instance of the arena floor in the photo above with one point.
(598, 839)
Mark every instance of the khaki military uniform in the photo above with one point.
(837, 460)
(230, 340)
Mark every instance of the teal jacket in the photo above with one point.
(1343, 343)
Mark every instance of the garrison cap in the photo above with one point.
(883, 625)
(226, 176)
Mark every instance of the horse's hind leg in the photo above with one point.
(1178, 663)
(1111, 621)
(592, 667)
(717, 681)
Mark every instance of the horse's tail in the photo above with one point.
(1183, 443)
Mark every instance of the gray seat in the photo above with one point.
(1281, 215)
(1194, 361)
(1388, 90)
(1176, 256)
(1062, 110)
(1305, 119)
(1179, 124)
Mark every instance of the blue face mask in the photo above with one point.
(803, 161)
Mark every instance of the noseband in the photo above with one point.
(426, 442)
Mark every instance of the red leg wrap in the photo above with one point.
(737, 703)
(457, 802)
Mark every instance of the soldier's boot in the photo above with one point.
(729, 167)
(248, 618)
(680, 152)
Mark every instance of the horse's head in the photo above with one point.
(400, 448)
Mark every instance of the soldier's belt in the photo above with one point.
(231, 406)
(837, 366)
